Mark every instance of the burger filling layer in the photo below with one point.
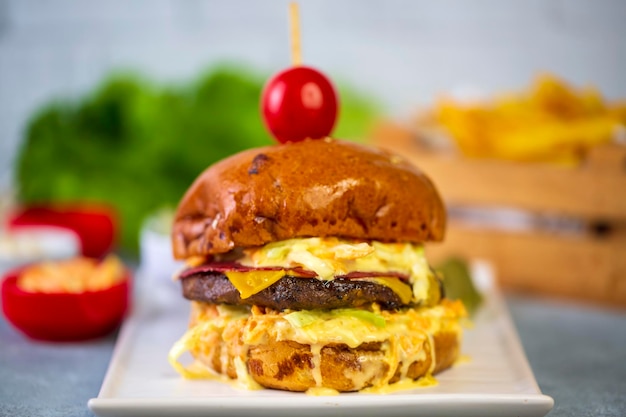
(340, 267)
(223, 338)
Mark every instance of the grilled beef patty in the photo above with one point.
(290, 292)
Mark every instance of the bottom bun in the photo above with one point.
(288, 365)
(266, 349)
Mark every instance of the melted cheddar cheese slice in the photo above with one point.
(251, 282)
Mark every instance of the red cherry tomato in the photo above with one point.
(299, 103)
(64, 316)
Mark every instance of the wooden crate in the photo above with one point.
(586, 265)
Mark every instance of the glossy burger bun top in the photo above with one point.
(314, 188)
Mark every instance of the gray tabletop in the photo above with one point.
(578, 355)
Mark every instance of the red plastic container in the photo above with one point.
(64, 316)
(95, 225)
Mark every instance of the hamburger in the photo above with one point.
(305, 269)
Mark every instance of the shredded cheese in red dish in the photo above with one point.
(72, 276)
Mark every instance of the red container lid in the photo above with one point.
(95, 225)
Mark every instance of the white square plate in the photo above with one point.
(496, 381)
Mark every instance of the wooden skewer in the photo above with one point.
(294, 23)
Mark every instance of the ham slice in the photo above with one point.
(301, 272)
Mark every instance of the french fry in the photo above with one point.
(553, 122)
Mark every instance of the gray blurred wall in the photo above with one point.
(404, 52)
